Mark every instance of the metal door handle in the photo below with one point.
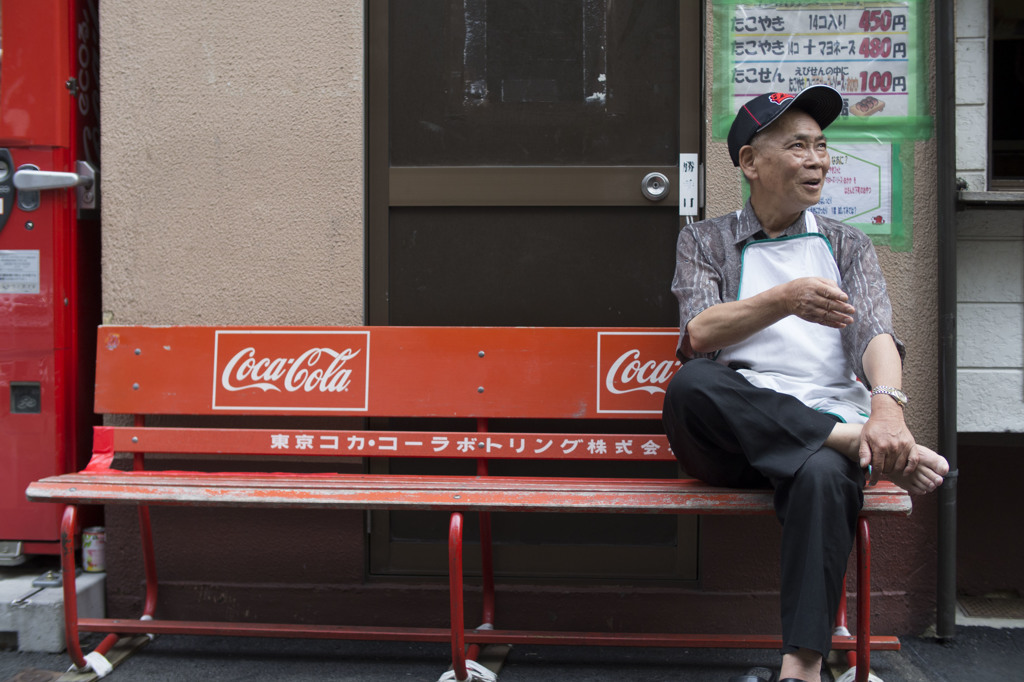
(34, 180)
(655, 186)
(29, 180)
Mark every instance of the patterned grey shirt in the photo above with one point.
(708, 272)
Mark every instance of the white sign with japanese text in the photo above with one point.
(858, 187)
(19, 272)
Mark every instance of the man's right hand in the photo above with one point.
(814, 299)
(818, 300)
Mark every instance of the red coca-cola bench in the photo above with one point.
(390, 372)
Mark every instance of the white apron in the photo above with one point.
(794, 356)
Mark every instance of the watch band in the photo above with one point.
(896, 394)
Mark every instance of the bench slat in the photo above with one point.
(468, 493)
(361, 443)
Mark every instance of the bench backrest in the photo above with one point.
(472, 372)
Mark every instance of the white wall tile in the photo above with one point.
(990, 400)
(990, 335)
(977, 181)
(990, 271)
(971, 71)
(989, 223)
(971, 18)
(971, 137)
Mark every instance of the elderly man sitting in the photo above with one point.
(792, 373)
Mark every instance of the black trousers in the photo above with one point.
(726, 431)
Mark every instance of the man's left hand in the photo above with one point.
(886, 443)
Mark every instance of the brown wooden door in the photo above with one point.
(508, 143)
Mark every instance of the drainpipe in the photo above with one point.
(945, 125)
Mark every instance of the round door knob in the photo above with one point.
(655, 186)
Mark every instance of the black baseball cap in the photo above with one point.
(822, 102)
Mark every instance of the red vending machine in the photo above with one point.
(49, 256)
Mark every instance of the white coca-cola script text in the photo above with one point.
(303, 373)
(629, 374)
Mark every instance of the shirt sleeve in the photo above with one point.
(697, 285)
(864, 283)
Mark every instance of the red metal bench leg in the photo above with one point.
(486, 558)
(455, 588)
(863, 600)
(68, 526)
(487, 568)
(68, 531)
(486, 545)
(146, 534)
(842, 621)
(149, 559)
(487, 571)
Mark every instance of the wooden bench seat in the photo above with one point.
(452, 493)
(387, 372)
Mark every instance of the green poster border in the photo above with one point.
(918, 125)
(900, 233)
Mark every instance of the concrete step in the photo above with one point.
(32, 605)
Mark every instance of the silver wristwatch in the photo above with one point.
(896, 394)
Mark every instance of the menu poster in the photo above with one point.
(869, 50)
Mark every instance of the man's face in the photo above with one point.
(789, 162)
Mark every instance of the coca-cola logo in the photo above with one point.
(634, 369)
(304, 373)
(291, 370)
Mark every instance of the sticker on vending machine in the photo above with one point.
(19, 272)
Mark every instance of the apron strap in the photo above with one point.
(810, 222)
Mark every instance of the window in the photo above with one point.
(1007, 95)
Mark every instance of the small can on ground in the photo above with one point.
(94, 545)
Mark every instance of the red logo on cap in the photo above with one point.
(780, 97)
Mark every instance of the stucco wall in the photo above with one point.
(232, 161)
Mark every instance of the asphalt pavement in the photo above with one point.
(976, 654)
(983, 650)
